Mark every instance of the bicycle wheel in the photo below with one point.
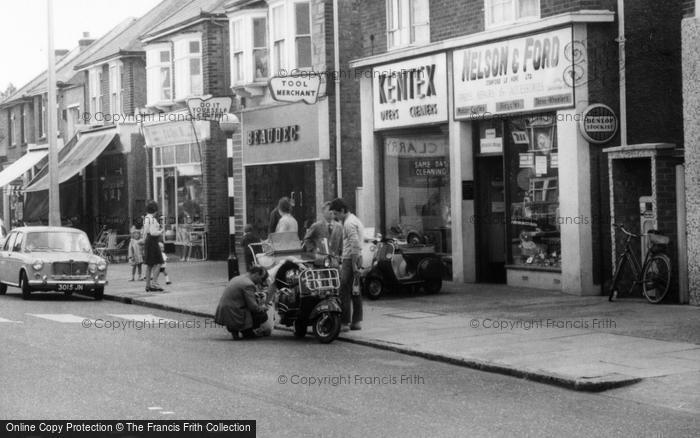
(656, 278)
(615, 285)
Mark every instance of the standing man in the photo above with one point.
(325, 228)
(238, 308)
(353, 233)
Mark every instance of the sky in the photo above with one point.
(24, 30)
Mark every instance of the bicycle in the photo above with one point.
(654, 275)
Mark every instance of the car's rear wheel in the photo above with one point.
(99, 293)
(24, 285)
(3, 288)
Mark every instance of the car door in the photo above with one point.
(5, 259)
(15, 259)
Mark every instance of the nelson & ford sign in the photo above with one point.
(517, 75)
(411, 92)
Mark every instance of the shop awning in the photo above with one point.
(21, 166)
(89, 147)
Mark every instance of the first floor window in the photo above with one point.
(303, 35)
(408, 22)
(260, 48)
(500, 12)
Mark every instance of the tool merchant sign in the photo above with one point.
(409, 93)
(517, 75)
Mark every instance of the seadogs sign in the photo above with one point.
(409, 93)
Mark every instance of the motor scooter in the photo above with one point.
(306, 294)
(397, 265)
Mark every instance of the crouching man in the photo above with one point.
(238, 309)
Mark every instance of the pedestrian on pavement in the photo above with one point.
(353, 233)
(249, 237)
(325, 228)
(238, 309)
(153, 258)
(135, 254)
(286, 223)
(163, 265)
(275, 215)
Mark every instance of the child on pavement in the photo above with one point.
(135, 254)
(165, 261)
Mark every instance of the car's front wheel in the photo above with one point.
(24, 285)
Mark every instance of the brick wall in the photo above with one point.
(448, 20)
(554, 7)
(653, 72)
(215, 60)
(134, 84)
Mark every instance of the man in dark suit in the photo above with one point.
(238, 308)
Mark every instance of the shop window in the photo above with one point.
(417, 188)
(502, 12)
(532, 169)
(407, 22)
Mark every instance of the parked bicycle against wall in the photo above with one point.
(654, 275)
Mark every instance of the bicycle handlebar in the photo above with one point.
(624, 230)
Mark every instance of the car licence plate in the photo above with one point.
(70, 287)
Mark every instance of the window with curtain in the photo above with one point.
(260, 48)
(278, 36)
(159, 73)
(236, 51)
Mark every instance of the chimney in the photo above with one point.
(60, 53)
(85, 41)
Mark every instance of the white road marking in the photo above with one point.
(152, 319)
(154, 408)
(60, 317)
(167, 412)
(10, 320)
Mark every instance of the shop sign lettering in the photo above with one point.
(528, 73)
(411, 92)
(304, 87)
(284, 134)
(209, 109)
(431, 168)
(598, 123)
(423, 147)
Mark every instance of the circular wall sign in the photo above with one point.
(598, 123)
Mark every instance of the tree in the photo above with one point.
(9, 91)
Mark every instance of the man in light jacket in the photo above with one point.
(238, 308)
(353, 233)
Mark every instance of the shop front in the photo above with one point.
(495, 174)
(412, 156)
(285, 152)
(178, 180)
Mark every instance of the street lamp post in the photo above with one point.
(229, 124)
(54, 200)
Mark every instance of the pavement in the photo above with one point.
(580, 343)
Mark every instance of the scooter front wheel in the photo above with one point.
(326, 327)
(374, 288)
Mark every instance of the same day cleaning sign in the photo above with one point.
(528, 73)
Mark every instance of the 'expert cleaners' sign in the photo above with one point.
(523, 74)
(409, 93)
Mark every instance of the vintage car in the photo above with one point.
(51, 258)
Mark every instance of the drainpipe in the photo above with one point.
(623, 85)
(336, 66)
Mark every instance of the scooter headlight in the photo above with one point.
(291, 276)
(327, 262)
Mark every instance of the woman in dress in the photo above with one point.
(152, 256)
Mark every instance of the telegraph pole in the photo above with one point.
(52, 128)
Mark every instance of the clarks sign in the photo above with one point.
(409, 93)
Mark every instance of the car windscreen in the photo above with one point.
(57, 241)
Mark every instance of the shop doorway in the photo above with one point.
(265, 185)
(491, 219)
